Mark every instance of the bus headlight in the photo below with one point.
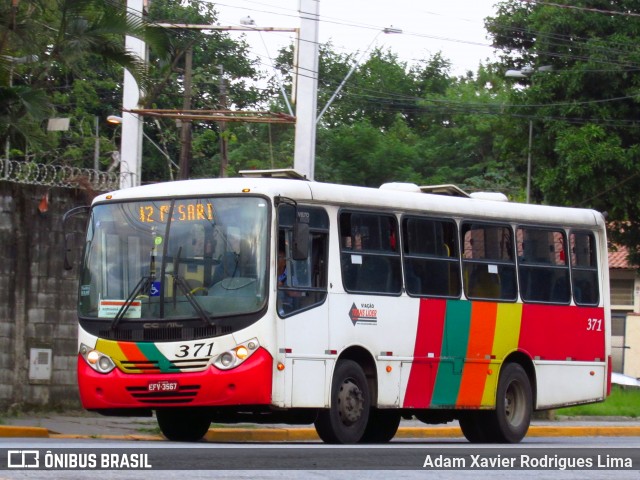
(97, 360)
(234, 357)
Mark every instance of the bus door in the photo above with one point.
(301, 305)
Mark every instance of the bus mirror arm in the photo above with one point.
(68, 265)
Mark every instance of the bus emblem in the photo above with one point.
(365, 314)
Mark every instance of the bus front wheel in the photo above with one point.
(183, 424)
(346, 419)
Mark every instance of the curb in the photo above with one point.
(309, 434)
(29, 432)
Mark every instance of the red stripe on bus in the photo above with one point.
(426, 353)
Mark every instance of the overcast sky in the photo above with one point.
(453, 27)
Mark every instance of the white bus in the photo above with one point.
(285, 300)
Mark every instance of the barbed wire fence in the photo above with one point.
(32, 173)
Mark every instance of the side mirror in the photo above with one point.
(300, 247)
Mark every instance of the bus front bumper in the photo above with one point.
(247, 384)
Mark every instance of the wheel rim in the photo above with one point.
(350, 402)
(514, 402)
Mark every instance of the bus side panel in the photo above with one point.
(458, 352)
(568, 344)
(551, 332)
(386, 327)
(563, 383)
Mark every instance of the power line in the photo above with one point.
(584, 9)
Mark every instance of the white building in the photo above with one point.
(625, 313)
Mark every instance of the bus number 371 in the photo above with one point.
(197, 350)
(594, 325)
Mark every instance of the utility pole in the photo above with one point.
(185, 132)
(131, 140)
(306, 89)
(224, 160)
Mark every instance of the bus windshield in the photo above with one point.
(187, 258)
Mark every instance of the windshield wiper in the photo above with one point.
(184, 286)
(143, 284)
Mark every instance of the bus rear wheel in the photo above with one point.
(346, 419)
(510, 421)
(183, 424)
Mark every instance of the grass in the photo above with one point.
(621, 403)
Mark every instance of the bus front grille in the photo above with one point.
(176, 366)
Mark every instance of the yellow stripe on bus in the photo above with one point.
(505, 341)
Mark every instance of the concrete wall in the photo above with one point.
(38, 323)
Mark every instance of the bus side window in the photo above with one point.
(370, 259)
(584, 268)
(542, 265)
(488, 262)
(431, 264)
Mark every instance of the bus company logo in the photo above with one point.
(365, 314)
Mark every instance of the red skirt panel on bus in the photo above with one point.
(247, 384)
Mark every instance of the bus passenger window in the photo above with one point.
(584, 268)
(431, 264)
(369, 258)
(542, 265)
(488, 265)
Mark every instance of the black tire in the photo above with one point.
(183, 424)
(346, 419)
(510, 421)
(474, 426)
(382, 426)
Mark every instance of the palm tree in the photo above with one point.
(46, 43)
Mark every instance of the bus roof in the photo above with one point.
(365, 197)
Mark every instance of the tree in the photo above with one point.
(48, 48)
(586, 108)
(216, 58)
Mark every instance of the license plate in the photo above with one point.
(163, 386)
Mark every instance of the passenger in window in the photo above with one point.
(349, 242)
(287, 299)
(282, 268)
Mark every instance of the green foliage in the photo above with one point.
(390, 121)
(585, 110)
(623, 402)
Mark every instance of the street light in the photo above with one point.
(386, 30)
(527, 72)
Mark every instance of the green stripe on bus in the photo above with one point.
(454, 349)
(152, 353)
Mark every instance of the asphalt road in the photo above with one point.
(402, 459)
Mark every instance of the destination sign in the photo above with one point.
(182, 212)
